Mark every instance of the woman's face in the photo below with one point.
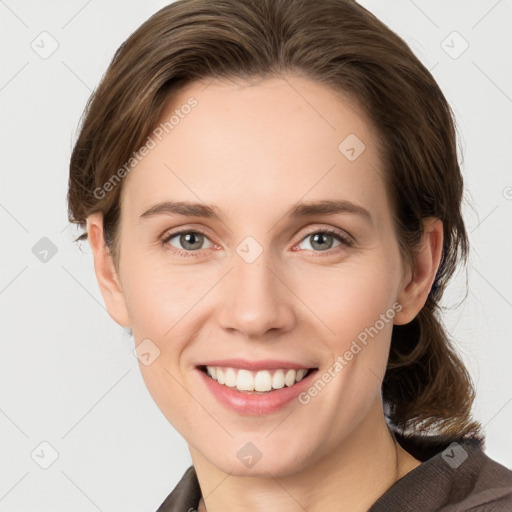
(259, 286)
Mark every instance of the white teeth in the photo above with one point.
(245, 381)
(300, 374)
(261, 381)
(289, 378)
(230, 378)
(278, 379)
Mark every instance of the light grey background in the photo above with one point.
(68, 375)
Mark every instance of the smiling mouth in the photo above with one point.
(256, 382)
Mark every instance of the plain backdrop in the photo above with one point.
(68, 376)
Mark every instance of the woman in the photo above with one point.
(227, 142)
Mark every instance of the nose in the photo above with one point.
(256, 299)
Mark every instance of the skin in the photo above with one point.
(254, 149)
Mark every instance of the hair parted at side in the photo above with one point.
(338, 43)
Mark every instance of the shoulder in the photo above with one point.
(455, 476)
(487, 485)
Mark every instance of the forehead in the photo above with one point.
(258, 144)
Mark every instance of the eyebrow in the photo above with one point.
(305, 209)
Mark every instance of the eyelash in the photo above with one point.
(346, 241)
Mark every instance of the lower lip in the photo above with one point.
(255, 404)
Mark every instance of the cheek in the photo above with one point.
(349, 299)
(157, 296)
(357, 314)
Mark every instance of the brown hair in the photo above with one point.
(343, 46)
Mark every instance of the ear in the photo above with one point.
(106, 274)
(418, 282)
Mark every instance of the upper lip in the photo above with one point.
(264, 364)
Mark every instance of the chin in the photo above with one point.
(262, 458)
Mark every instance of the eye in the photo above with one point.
(188, 241)
(322, 239)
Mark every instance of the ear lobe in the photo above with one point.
(414, 293)
(106, 274)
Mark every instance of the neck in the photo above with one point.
(350, 477)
